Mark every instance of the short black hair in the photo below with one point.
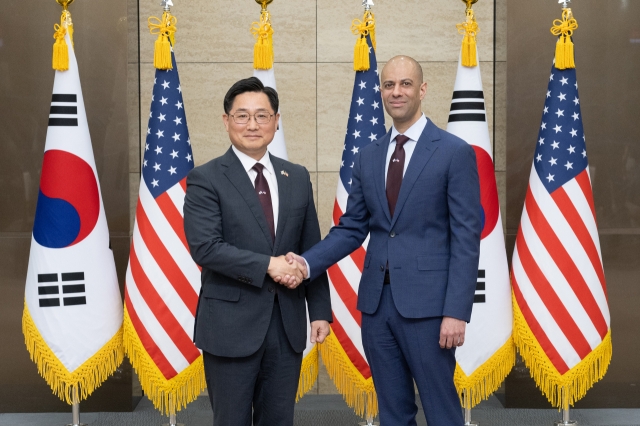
(251, 84)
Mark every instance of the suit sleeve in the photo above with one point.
(317, 290)
(347, 235)
(463, 197)
(203, 229)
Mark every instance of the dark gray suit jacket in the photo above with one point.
(229, 238)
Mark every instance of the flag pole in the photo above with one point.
(166, 7)
(566, 417)
(75, 409)
(173, 421)
(467, 410)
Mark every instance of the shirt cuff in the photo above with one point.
(308, 269)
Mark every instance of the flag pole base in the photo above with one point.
(471, 424)
(563, 423)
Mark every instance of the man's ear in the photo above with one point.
(225, 120)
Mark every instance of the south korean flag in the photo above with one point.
(72, 320)
(488, 353)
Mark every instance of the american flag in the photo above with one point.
(558, 278)
(365, 125)
(163, 282)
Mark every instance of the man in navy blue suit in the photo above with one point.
(416, 193)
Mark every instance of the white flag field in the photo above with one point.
(277, 147)
(488, 353)
(72, 320)
(310, 356)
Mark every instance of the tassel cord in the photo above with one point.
(564, 29)
(363, 28)
(165, 28)
(470, 30)
(263, 50)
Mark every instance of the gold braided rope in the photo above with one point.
(60, 60)
(470, 30)
(165, 28)
(564, 29)
(263, 50)
(362, 29)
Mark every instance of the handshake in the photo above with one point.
(289, 270)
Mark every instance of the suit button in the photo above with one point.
(272, 289)
(392, 234)
(382, 267)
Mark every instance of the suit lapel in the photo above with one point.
(421, 155)
(284, 195)
(239, 178)
(380, 168)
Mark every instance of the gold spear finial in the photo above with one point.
(469, 3)
(264, 3)
(64, 3)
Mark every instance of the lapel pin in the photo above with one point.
(282, 172)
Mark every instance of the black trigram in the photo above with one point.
(467, 105)
(480, 286)
(72, 290)
(65, 106)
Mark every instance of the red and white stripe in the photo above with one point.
(163, 282)
(344, 279)
(557, 272)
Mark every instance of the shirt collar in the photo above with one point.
(414, 132)
(248, 162)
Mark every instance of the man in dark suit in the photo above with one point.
(416, 192)
(243, 211)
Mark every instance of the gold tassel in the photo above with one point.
(577, 381)
(60, 60)
(179, 390)
(488, 377)
(308, 372)
(263, 49)
(470, 30)
(165, 28)
(86, 378)
(563, 29)
(358, 392)
(364, 28)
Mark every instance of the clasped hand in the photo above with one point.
(287, 270)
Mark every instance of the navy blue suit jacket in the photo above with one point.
(431, 244)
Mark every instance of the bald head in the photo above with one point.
(403, 89)
(405, 61)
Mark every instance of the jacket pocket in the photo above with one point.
(433, 263)
(221, 292)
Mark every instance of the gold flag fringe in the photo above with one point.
(183, 388)
(564, 29)
(577, 381)
(358, 392)
(86, 378)
(308, 372)
(166, 30)
(263, 50)
(470, 30)
(487, 378)
(364, 28)
(60, 60)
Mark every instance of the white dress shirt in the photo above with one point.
(413, 133)
(269, 173)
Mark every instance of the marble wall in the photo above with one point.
(313, 47)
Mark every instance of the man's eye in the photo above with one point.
(242, 116)
(262, 116)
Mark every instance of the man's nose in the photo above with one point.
(253, 122)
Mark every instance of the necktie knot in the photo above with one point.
(258, 167)
(401, 140)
